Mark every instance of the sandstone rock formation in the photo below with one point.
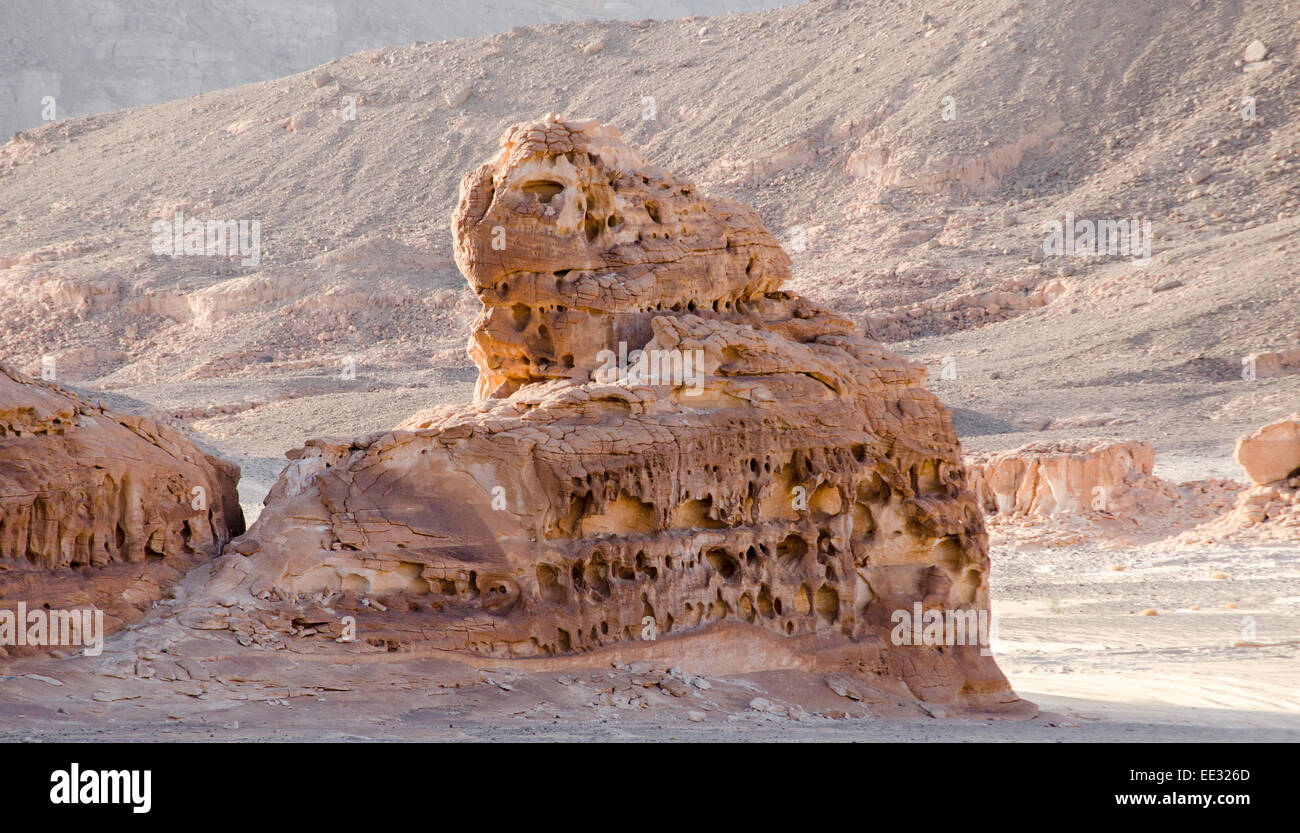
(1272, 453)
(1268, 511)
(667, 456)
(1089, 491)
(1275, 363)
(99, 509)
(1056, 476)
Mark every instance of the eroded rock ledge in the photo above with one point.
(1057, 476)
(1102, 492)
(763, 489)
(100, 509)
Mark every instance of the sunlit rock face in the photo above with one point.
(1268, 510)
(1045, 478)
(1272, 453)
(574, 243)
(668, 455)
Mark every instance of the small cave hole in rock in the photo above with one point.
(791, 550)
(543, 190)
(548, 583)
(521, 313)
(723, 563)
(827, 603)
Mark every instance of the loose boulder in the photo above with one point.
(1271, 453)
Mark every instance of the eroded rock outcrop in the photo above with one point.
(1275, 363)
(1056, 476)
(667, 456)
(1268, 511)
(99, 509)
(1100, 492)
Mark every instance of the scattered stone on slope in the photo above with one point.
(458, 95)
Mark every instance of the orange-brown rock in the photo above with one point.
(1272, 453)
(1045, 478)
(574, 243)
(1090, 491)
(99, 509)
(1275, 363)
(757, 486)
(1269, 511)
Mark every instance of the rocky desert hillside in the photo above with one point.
(907, 155)
(95, 57)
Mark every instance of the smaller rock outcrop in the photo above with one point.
(1050, 477)
(100, 509)
(1275, 363)
(1096, 492)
